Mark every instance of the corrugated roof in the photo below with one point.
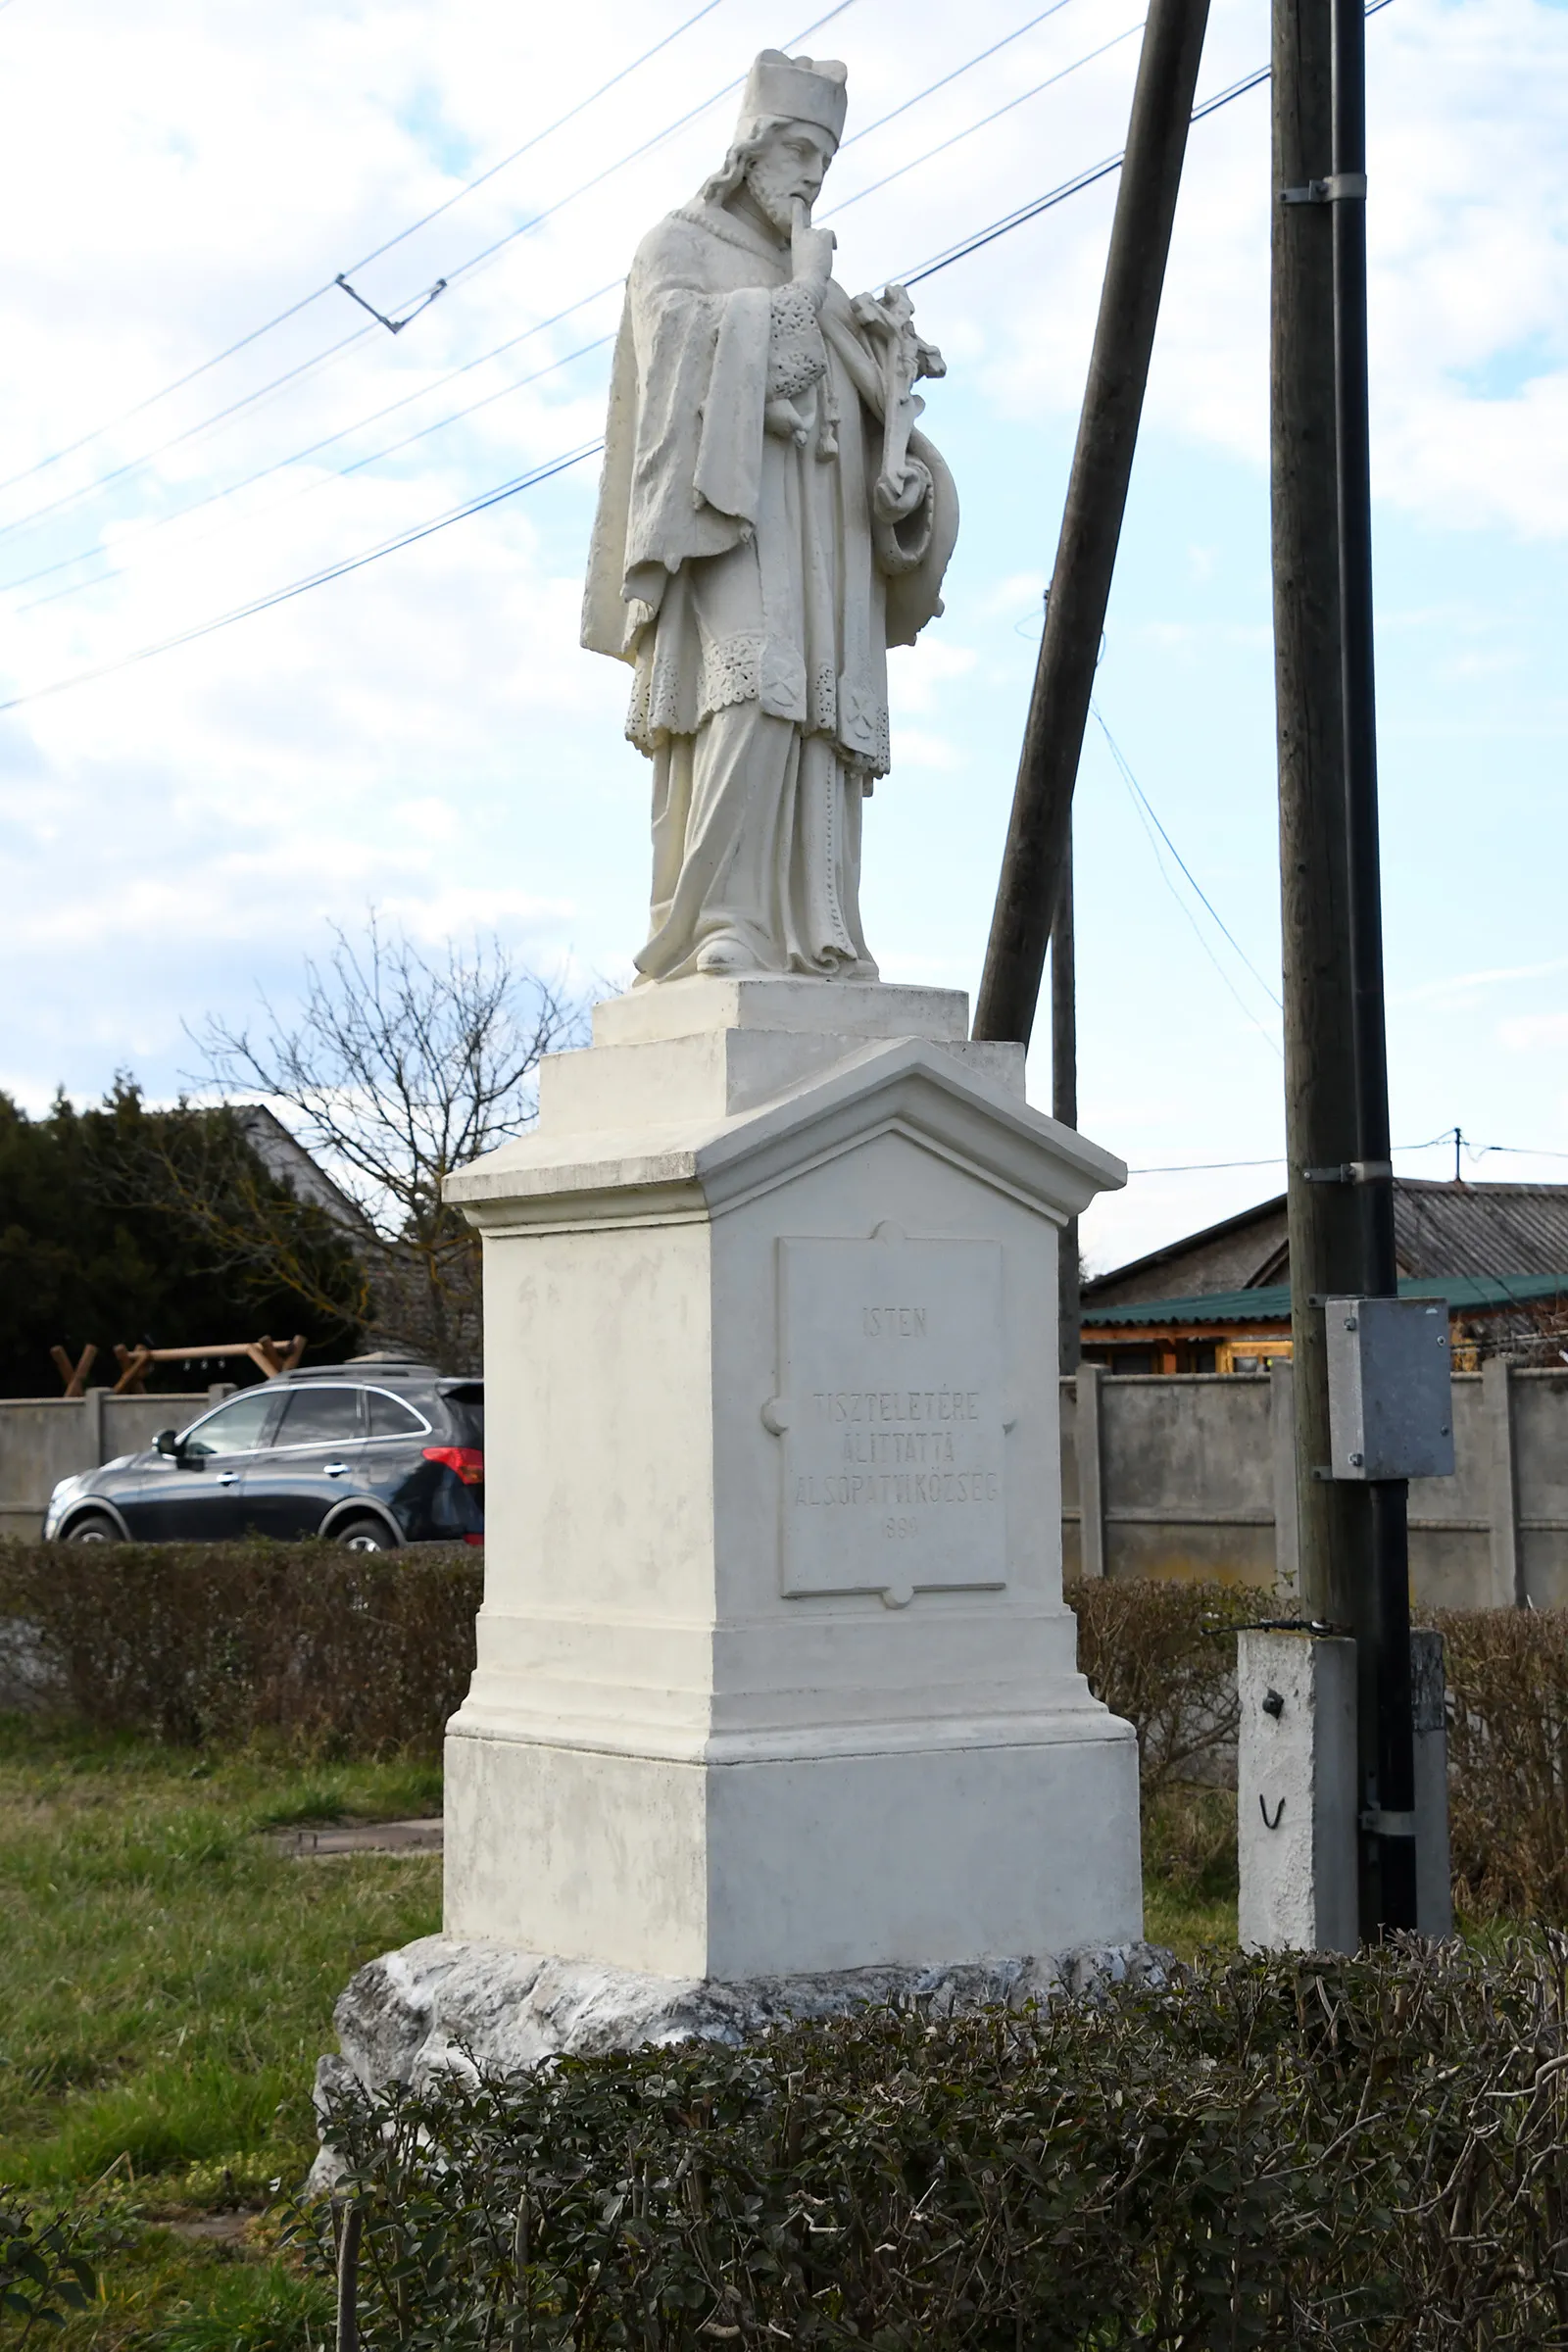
(1440, 1229)
(1480, 1228)
(1273, 1304)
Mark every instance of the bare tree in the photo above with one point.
(397, 1069)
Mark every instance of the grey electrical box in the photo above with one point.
(1390, 1400)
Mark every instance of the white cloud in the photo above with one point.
(425, 732)
(1533, 1031)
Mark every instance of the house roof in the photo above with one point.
(1480, 1228)
(1441, 1229)
(1191, 1244)
(1273, 1304)
(287, 1163)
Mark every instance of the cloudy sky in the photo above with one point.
(422, 733)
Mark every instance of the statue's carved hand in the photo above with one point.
(897, 502)
(811, 251)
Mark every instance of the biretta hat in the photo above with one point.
(798, 89)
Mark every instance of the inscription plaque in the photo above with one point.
(890, 1415)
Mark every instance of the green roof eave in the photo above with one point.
(1272, 1305)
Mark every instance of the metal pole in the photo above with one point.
(1091, 523)
(1064, 1107)
(1383, 1614)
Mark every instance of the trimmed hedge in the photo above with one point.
(1291, 2152)
(364, 1653)
(1508, 1760)
(1161, 1654)
(369, 1652)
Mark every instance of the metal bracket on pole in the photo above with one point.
(1340, 187)
(1350, 1171)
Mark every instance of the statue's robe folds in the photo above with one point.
(745, 579)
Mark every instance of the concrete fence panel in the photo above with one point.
(1193, 1474)
(45, 1439)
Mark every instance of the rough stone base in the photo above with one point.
(441, 2006)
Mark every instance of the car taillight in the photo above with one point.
(466, 1461)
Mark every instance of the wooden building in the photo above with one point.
(1219, 1300)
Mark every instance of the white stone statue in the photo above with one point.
(769, 522)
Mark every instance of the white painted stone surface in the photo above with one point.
(1295, 1792)
(723, 1724)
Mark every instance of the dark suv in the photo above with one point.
(373, 1453)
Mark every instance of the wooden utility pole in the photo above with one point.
(1064, 1107)
(1387, 1752)
(1352, 1538)
(1323, 1219)
(1090, 524)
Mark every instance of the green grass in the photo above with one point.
(1190, 1886)
(169, 1978)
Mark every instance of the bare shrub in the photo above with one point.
(1508, 1760)
(1162, 1655)
(362, 1653)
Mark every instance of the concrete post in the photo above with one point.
(1295, 1792)
(1502, 1487)
(1091, 1483)
(1434, 1881)
(92, 1428)
(1282, 1437)
(1296, 1782)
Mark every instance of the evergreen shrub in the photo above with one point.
(1284, 2152)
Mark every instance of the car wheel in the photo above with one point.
(93, 1527)
(365, 1534)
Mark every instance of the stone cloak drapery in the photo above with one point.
(743, 578)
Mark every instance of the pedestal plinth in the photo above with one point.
(774, 1674)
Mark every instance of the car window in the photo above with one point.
(390, 1417)
(235, 1427)
(320, 1417)
(465, 1406)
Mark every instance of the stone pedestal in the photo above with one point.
(774, 1674)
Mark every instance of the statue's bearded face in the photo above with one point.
(791, 161)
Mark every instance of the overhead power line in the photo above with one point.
(537, 141)
(293, 310)
(316, 579)
(571, 458)
(941, 83)
(131, 466)
(461, 270)
(1150, 822)
(1136, 789)
(373, 458)
(985, 121)
(1277, 1159)
(1082, 179)
(191, 506)
(313, 449)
